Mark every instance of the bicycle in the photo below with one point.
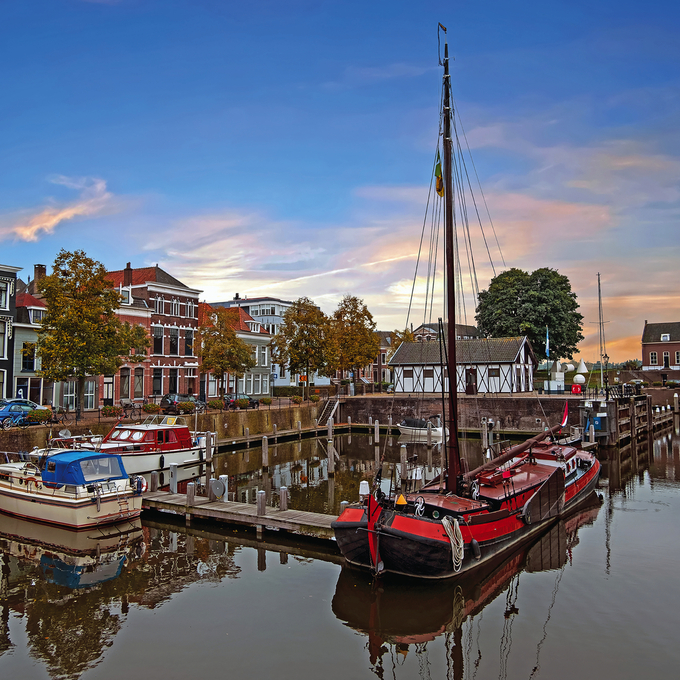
(131, 410)
(59, 417)
(19, 420)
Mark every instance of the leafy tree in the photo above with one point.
(518, 303)
(301, 343)
(353, 341)
(80, 334)
(220, 350)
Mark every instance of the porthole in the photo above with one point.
(435, 514)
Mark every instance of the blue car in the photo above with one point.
(13, 414)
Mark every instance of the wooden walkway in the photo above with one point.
(305, 523)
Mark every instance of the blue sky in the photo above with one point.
(284, 148)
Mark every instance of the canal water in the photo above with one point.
(597, 596)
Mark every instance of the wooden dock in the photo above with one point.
(312, 524)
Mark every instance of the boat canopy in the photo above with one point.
(82, 467)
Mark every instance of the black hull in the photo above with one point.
(352, 539)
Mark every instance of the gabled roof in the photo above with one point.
(654, 331)
(143, 275)
(477, 351)
(26, 300)
(238, 318)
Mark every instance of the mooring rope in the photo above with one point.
(452, 529)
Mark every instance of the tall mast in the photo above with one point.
(452, 445)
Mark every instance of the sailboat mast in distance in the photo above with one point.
(452, 446)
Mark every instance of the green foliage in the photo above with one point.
(631, 364)
(287, 391)
(186, 406)
(39, 415)
(242, 403)
(518, 303)
(216, 404)
(151, 408)
(396, 338)
(266, 401)
(315, 398)
(657, 383)
(80, 334)
(219, 348)
(112, 411)
(353, 342)
(296, 399)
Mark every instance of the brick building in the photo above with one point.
(661, 346)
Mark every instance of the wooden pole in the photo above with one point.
(265, 452)
(403, 473)
(283, 498)
(429, 433)
(330, 428)
(191, 490)
(261, 502)
(349, 422)
(208, 462)
(153, 486)
(275, 428)
(173, 479)
(331, 459)
(376, 430)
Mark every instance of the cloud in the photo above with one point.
(359, 76)
(94, 200)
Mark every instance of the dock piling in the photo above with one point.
(349, 422)
(173, 478)
(153, 486)
(330, 428)
(331, 459)
(191, 496)
(376, 430)
(265, 452)
(261, 502)
(283, 498)
(403, 473)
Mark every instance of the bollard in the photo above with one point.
(331, 459)
(191, 492)
(247, 433)
(265, 452)
(591, 434)
(403, 472)
(283, 498)
(370, 420)
(153, 486)
(429, 433)
(349, 422)
(261, 503)
(330, 428)
(173, 479)
(376, 430)
(275, 428)
(389, 421)
(343, 506)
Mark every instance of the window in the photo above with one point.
(124, 383)
(172, 380)
(257, 383)
(2, 383)
(36, 315)
(263, 356)
(666, 359)
(665, 337)
(174, 308)
(408, 374)
(428, 373)
(653, 360)
(157, 386)
(88, 397)
(4, 296)
(174, 342)
(139, 383)
(677, 358)
(494, 373)
(249, 384)
(212, 385)
(158, 340)
(127, 298)
(383, 358)
(28, 357)
(70, 396)
(188, 343)
(159, 306)
(191, 309)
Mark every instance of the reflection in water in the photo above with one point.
(399, 615)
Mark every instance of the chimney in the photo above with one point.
(236, 297)
(39, 272)
(127, 275)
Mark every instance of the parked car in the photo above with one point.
(231, 399)
(30, 405)
(170, 403)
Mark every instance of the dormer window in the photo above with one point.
(127, 298)
(665, 337)
(36, 315)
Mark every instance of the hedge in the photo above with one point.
(216, 404)
(39, 415)
(315, 397)
(266, 401)
(296, 399)
(291, 391)
(186, 406)
(111, 411)
(151, 408)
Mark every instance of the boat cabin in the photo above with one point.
(159, 433)
(78, 468)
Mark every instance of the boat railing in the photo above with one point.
(165, 420)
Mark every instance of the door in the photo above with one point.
(470, 381)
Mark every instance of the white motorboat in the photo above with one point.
(74, 489)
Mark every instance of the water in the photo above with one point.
(596, 597)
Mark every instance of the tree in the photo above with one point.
(396, 338)
(220, 350)
(81, 335)
(518, 303)
(301, 343)
(353, 341)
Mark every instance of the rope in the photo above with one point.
(452, 529)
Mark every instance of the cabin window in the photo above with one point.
(494, 373)
(115, 434)
(653, 359)
(124, 434)
(51, 466)
(96, 469)
(159, 436)
(137, 436)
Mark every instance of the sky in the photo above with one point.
(285, 147)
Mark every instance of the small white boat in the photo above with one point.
(74, 489)
(416, 429)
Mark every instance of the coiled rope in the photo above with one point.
(452, 529)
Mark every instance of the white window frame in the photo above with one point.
(653, 359)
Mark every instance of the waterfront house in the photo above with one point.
(27, 383)
(661, 346)
(8, 286)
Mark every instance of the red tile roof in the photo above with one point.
(26, 300)
(143, 274)
(238, 318)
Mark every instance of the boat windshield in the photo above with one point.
(98, 469)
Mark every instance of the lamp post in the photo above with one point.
(606, 376)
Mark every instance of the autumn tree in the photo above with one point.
(219, 348)
(80, 334)
(518, 303)
(396, 338)
(353, 341)
(301, 343)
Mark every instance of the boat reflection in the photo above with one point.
(396, 614)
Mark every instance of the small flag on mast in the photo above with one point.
(547, 343)
(439, 184)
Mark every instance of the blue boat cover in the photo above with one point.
(82, 467)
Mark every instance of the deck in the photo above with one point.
(295, 521)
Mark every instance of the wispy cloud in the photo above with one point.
(359, 76)
(94, 199)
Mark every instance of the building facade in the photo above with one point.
(27, 383)
(8, 291)
(661, 346)
(489, 365)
